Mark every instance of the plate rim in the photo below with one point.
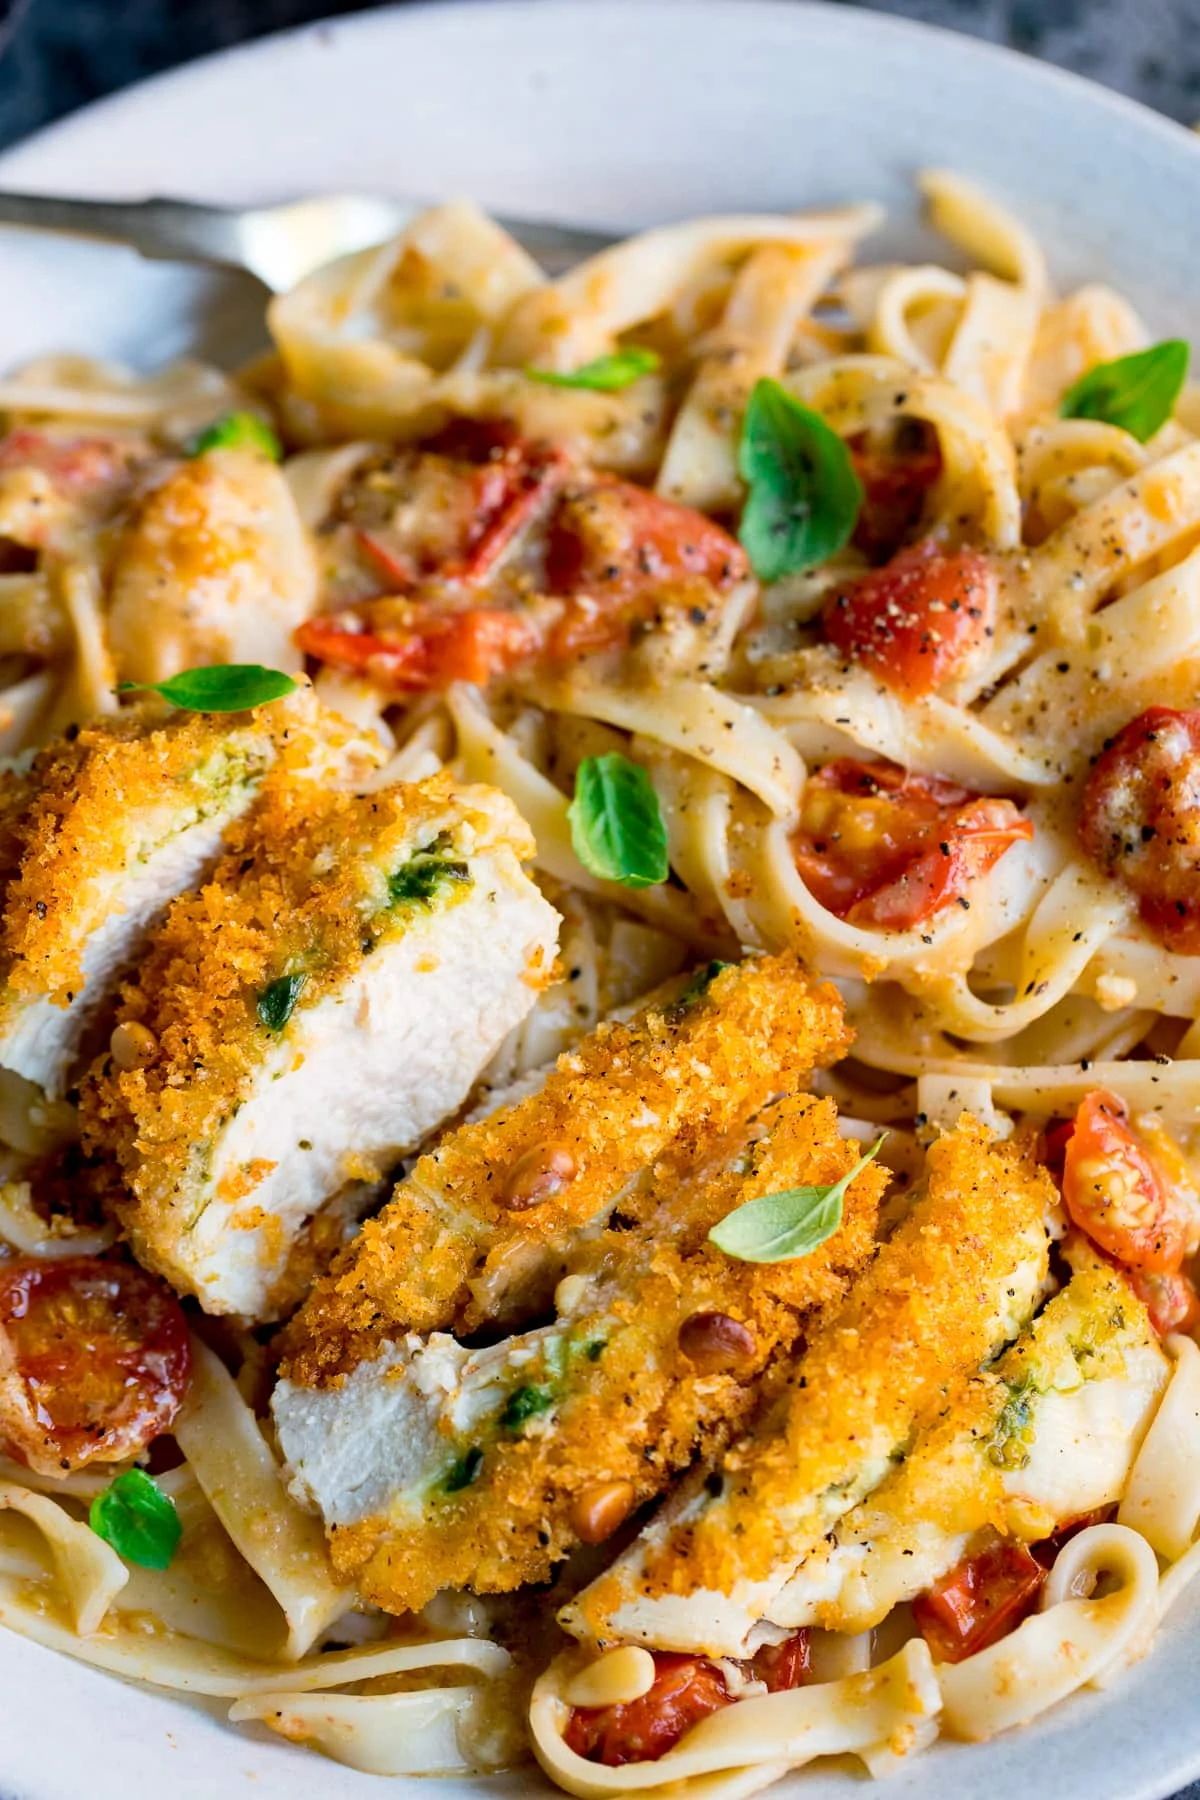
(836, 15)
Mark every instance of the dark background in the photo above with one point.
(57, 54)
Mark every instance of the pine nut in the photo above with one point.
(617, 1678)
(716, 1343)
(133, 1046)
(597, 1510)
(538, 1176)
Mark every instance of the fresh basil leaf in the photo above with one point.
(525, 1403)
(220, 688)
(138, 1520)
(803, 496)
(464, 1471)
(236, 431)
(617, 826)
(277, 1002)
(1136, 392)
(607, 374)
(792, 1223)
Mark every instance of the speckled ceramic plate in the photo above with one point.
(615, 112)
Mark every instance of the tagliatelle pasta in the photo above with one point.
(948, 755)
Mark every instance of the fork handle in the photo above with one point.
(183, 231)
(173, 229)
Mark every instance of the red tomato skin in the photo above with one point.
(916, 621)
(1140, 821)
(1171, 1300)
(686, 1689)
(925, 842)
(1116, 1193)
(896, 481)
(440, 647)
(980, 1601)
(75, 464)
(94, 1360)
(615, 551)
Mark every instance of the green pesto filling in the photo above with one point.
(529, 1400)
(1014, 1430)
(430, 874)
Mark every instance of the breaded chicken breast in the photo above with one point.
(324, 1001)
(214, 567)
(98, 834)
(955, 1282)
(438, 1466)
(479, 1230)
(1044, 1436)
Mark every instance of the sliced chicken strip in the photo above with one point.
(98, 834)
(314, 1011)
(479, 1230)
(950, 1288)
(1047, 1435)
(438, 1466)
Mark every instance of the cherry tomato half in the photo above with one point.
(883, 848)
(897, 473)
(916, 621)
(94, 1360)
(615, 552)
(686, 1689)
(980, 1601)
(1116, 1192)
(1141, 821)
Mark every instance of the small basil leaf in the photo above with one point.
(236, 431)
(138, 1520)
(525, 1403)
(617, 827)
(698, 984)
(423, 878)
(220, 688)
(792, 1223)
(1137, 393)
(607, 374)
(277, 1002)
(803, 496)
(464, 1471)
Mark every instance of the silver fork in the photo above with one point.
(278, 245)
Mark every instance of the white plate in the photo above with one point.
(622, 114)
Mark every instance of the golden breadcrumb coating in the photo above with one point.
(303, 888)
(930, 1308)
(447, 1249)
(67, 819)
(632, 1406)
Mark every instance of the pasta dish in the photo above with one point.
(599, 1153)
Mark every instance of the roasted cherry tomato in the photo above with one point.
(915, 622)
(76, 465)
(616, 551)
(1117, 1193)
(882, 848)
(435, 647)
(1141, 821)
(686, 1689)
(782, 1666)
(1171, 1300)
(94, 1360)
(897, 474)
(980, 1601)
(447, 512)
